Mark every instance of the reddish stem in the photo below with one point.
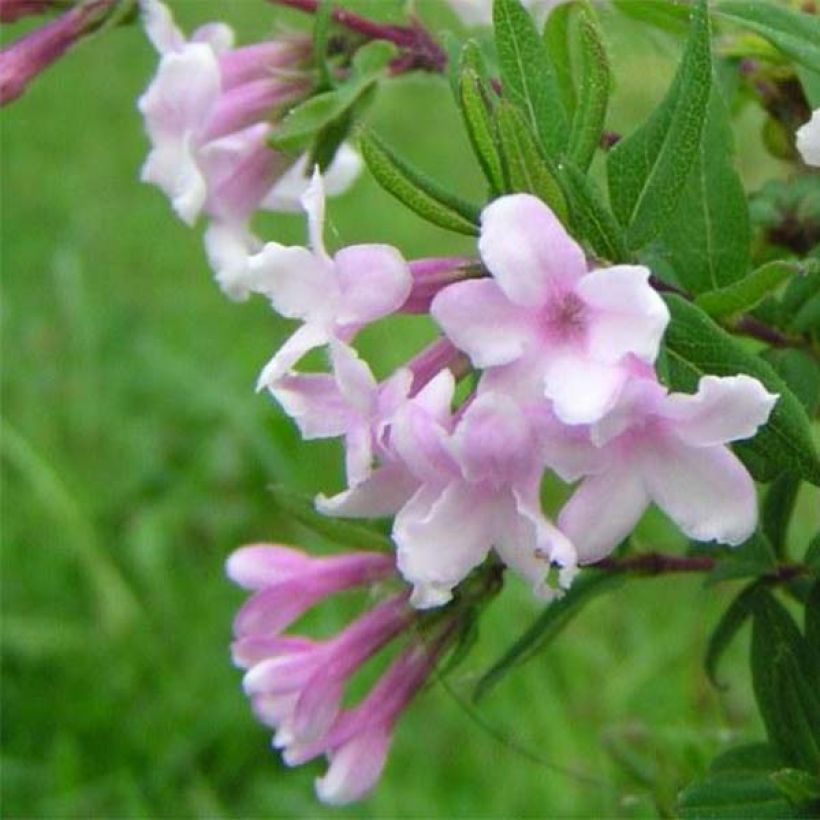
(423, 52)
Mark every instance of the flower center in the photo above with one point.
(565, 318)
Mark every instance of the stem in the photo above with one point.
(656, 563)
(422, 51)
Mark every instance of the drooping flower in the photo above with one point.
(544, 324)
(670, 449)
(334, 297)
(808, 140)
(208, 113)
(297, 684)
(27, 57)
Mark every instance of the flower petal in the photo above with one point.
(298, 283)
(355, 767)
(306, 338)
(440, 538)
(706, 491)
(528, 250)
(480, 320)
(628, 315)
(808, 140)
(384, 492)
(314, 402)
(602, 511)
(374, 280)
(229, 246)
(313, 203)
(723, 409)
(582, 389)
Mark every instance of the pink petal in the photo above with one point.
(527, 249)
(259, 565)
(314, 402)
(358, 454)
(355, 767)
(706, 491)
(384, 492)
(723, 409)
(441, 537)
(298, 283)
(160, 28)
(229, 247)
(356, 383)
(603, 510)
(582, 389)
(480, 320)
(306, 338)
(375, 281)
(628, 316)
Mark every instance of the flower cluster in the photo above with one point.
(209, 112)
(564, 353)
(296, 684)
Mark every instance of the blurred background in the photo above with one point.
(136, 456)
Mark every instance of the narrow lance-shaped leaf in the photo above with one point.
(593, 96)
(321, 32)
(696, 346)
(776, 510)
(527, 76)
(749, 291)
(795, 33)
(592, 220)
(557, 41)
(708, 237)
(724, 633)
(417, 191)
(784, 684)
(648, 170)
(480, 128)
(527, 169)
(549, 624)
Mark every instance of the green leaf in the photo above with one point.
(734, 796)
(593, 99)
(748, 292)
(784, 684)
(812, 556)
(724, 633)
(557, 41)
(754, 558)
(649, 169)
(527, 76)
(812, 624)
(417, 191)
(801, 372)
(797, 786)
(321, 31)
(473, 96)
(776, 511)
(549, 624)
(800, 298)
(697, 347)
(305, 121)
(708, 235)
(591, 216)
(344, 533)
(668, 15)
(527, 169)
(796, 34)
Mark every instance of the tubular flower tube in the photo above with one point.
(27, 57)
(431, 275)
(208, 113)
(13, 10)
(296, 684)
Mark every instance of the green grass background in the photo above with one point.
(136, 456)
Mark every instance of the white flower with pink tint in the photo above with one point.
(670, 449)
(334, 297)
(208, 113)
(479, 490)
(808, 140)
(544, 324)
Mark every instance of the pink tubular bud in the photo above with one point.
(13, 10)
(25, 58)
(431, 275)
(262, 61)
(432, 360)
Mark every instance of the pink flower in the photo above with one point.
(479, 490)
(669, 448)
(288, 582)
(808, 140)
(543, 324)
(27, 57)
(334, 297)
(208, 115)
